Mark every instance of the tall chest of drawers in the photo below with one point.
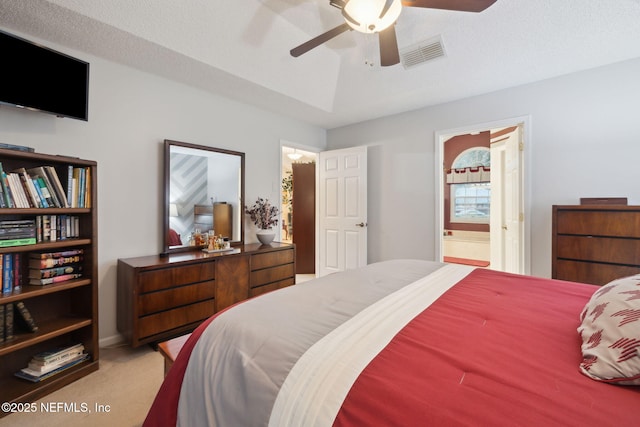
(595, 243)
(163, 297)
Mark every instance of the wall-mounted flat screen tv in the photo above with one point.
(39, 78)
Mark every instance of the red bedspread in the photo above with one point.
(495, 350)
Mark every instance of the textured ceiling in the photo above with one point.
(240, 49)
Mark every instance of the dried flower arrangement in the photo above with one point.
(263, 214)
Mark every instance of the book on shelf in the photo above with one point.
(17, 233)
(11, 274)
(42, 191)
(3, 197)
(35, 377)
(17, 229)
(29, 189)
(7, 287)
(15, 185)
(7, 273)
(55, 279)
(45, 273)
(54, 262)
(41, 187)
(46, 186)
(24, 316)
(17, 272)
(8, 321)
(87, 188)
(70, 187)
(53, 259)
(22, 190)
(15, 147)
(58, 353)
(36, 368)
(17, 242)
(79, 187)
(1, 323)
(57, 254)
(42, 228)
(47, 221)
(80, 179)
(69, 226)
(16, 223)
(50, 228)
(57, 185)
(8, 197)
(11, 184)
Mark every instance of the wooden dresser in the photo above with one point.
(595, 243)
(163, 297)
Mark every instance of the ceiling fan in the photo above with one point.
(379, 16)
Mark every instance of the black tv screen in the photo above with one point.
(36, 77)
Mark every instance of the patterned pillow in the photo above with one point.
(610, 332)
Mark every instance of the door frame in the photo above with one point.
(441, 136)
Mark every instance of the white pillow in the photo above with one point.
(610, 331)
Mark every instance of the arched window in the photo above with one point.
(471, 200)
(473, 157)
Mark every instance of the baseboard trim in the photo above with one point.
(111, 341)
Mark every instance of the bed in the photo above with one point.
(411, 342)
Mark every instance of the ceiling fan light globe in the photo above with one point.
(366, 14)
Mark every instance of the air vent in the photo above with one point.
(422, 52)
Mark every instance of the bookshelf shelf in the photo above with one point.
(32, 291)
(64, 312)
(39, 247)
(33, 391)
(52, 329)
(41, 211)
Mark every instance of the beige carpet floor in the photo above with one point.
(127, 381)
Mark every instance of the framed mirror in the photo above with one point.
(203, 193)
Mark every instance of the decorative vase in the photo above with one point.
(265, 236)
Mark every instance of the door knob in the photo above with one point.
(362, 224)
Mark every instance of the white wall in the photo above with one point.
(585, 142)
(130, 115)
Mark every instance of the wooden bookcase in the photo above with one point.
(65, 312)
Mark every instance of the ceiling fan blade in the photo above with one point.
(317, 41)
(460, 5)
(386, 7)
(389, 54)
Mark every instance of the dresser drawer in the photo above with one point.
(273, 274)
(164, 278)
(599, 223)
(599, 249)
(160, 297)
(270, 259)
(171, 319)
(259, 290)
(591, 272)
(175, 297)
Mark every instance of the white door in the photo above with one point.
(507, 230)
(342, 210)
